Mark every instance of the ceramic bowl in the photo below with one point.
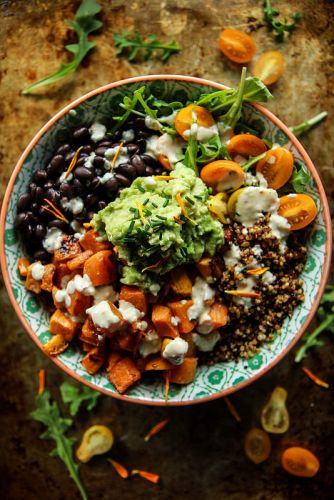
(211, 381)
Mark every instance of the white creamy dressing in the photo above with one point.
(253, 202)
(255, 180)
(245, 285)
(268, 278)
(170, 147)
(152, 123)
(292, 195)
(102, 315)
(199, 310)
(106, 177)
(106, 292)
(175, 351)
(154, 288)
(75, 205)
(129, 312)
(122, 157)
(151, 145)
(224, 132)
(80, 231)
(97, 131)
(169, 119)
(232, 256)
(206, 343)
(52, 240)
(280, 228)
(201, 133)
(150, 344)
(257, 250)
(80, 284)
(150, 181)
(128, 135)
(142, 325)
(37, 271)
(89, 160)
(175, 320)
(66, 178)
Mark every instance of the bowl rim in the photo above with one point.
(269, 115)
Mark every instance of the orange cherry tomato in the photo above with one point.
(246, 145)
(299, 209)
(300, 462)
(163, 160)
(223, 175)
(276, 167)
(269, 67)
(184, 119)
(257, 445)
(236, 45)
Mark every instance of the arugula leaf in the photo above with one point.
(48, 413)
(212, 149)
(131, 46)
(72, 396)
(300, 180)
(325, 315)
(190, 156)
(252, 160)
(84, 24)
(308, 124)
(279, 27)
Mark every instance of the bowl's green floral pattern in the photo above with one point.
(209, 379)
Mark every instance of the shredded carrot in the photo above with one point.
(149, 476)
(116, 155)
(167, 378)
(141, 213)
(258, 271)
(73, 162)
(54, 210)
(232, 409)
(119, 468)
(243, 293)
(153, 266)
(181, 203)
(157, 428)
(178, 221)
(163, 177)
(41, 379)
(314, 378)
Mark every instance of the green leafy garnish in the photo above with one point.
(308, 124)
(132, 46)
(48, 413)
(279, 27)
(190, 156)
(72, 396)
(252, 160)
(325, 316)
(84, 24)
(299, 181)
(211, 150)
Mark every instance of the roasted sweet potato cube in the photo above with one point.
(112, 360)
(157, 363)
(93, 360)
(218, 314)
(100, 269)
(69, 249)
(62, 275)
(22, 265)
(185, 373)
(127, 341)
(32, 284)
(204, 267)
(180, 282)
(135, 296)
(59, 305)
(79, 260)
(180, 310)
(60, 324)
(162, 320)
(124, 374)
(56, 345)
(86, 347)
(91, 241)
(79, 303)
(47, 280)
(89, 333)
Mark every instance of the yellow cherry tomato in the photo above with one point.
(223, 175)
(276, 167)
(269, 67)
(192, 113)
(299, 209)
(236, 45)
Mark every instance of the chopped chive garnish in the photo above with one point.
(146, 202)
(154, 205)
(132, 209)
(141, 189)
(165, 203)
(183, 252)
(132, 223)
(161, 217)
(197, 197)
(147, 212)
(190, 200)
(160, 236)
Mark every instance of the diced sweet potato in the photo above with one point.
(158, 363)
(127, 341)
(59, 305)
(69, 249)
(47, 280)
(22, 265)
(86, 347)
(124, 374)
(113, 358)
(100, 269)
(62, 274)
(60, 324)
(79, 303)
(162, 320)
(218, 314)
(79, 260)
(56, 345)
(32, 284)
(135, 296)
(180, 309)
(204, 267)
(89, 333)
(90, 241)
(93, 360)
(185, 373)
(180, 282)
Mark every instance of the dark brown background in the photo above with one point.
(200, 454)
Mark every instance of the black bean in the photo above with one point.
(81, 133)
(117, 135)
(100, 151)
(132, 149)
(39, 194)
(149, 160)
(20, 220)
(51, 171)
(127, 170)
(84, 174)
(111, 185)
(63, 149)
(101, 205)
(24, 201)
(142, 134)
(95, 184)
(40, 231)
(107, 144)
(81, 161)
(69, 156)
(87, 150)
(98, 162)
(139, 123)
(32, 187)
(60, 224)
(42, 255)
(34, 207)
(66, 190)
(149, 170)
(98, 171)
(78, 187)
(160, 170)
(48, 185)
(58, 162)
(141, 143)
(91, 199)
(29, 230)
(52, 195)
(44, 214)
(40, 176)
(138, 163)
(122, 180)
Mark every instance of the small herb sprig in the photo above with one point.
(325, 316)
(72, 396)
(308, 124)
(279, 27)
(84, 24)
(132, 46)
(300, 180)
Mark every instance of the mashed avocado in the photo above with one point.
(149, 227)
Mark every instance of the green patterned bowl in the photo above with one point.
(211, 381)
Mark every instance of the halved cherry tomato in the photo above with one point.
(184, 119)
(232, 201)
(299, 209)
(246, 145)
(269, 67)
(300, 462)
(164, 162)
(236, 45)
(223, 175)
(276, 167)
(217, 205)
(257, 445)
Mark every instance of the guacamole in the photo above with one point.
(160, 224)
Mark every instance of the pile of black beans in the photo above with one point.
(32, 220)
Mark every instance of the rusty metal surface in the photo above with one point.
(200, 454)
